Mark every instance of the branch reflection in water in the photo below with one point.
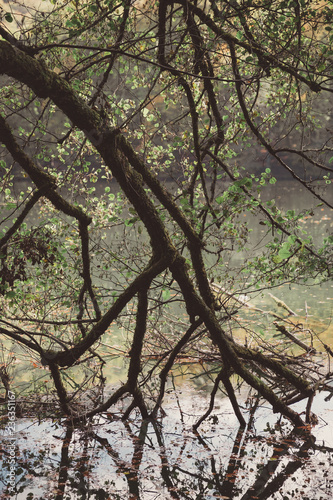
(107, 458)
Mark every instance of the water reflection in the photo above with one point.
(111, 459)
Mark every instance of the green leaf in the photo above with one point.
(165, 295)
(9, 17)
(284, 253)
(11, 206)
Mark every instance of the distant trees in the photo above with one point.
(142, 131)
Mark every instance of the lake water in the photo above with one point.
(110, 459)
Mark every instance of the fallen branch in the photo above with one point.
(282, 304)
(282, 329)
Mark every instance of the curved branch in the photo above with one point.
(269, 216)
(260, 137)
(44, 182)
(271, 60)
(29, 206)
(84, 235)
(69, 357)
(303, 154)
(195, 243)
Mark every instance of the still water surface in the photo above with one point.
(114, 460)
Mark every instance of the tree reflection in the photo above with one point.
(113, 459)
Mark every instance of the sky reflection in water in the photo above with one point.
(113, 460)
